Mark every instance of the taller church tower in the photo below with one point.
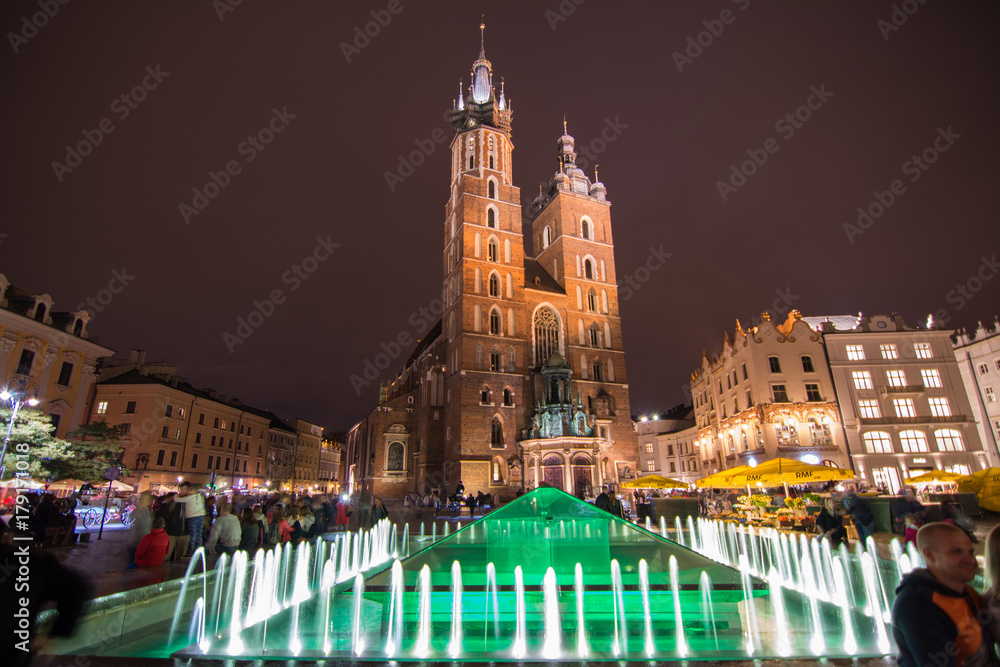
(483, 321)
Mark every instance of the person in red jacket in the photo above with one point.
(153, 547)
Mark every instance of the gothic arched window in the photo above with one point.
(491, 188)
(586, 228)
(492, 250)
(546, 237)
(594, 338)
(588, 269)
(496, 433)
(394, 458)
(511, 360)
(494, 285)
(495, 322)
(592, 300)
(496, 365)
(491, 214)
(546, 328)
(598, 371)
(508, 399)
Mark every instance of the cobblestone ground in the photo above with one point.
(104, 561)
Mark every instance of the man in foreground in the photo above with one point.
(934, 617)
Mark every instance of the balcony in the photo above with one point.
(925, 419)
(904, 389)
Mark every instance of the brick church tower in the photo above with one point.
(523, 380)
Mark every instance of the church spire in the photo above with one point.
(482, 72)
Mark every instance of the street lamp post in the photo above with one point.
(15, 392)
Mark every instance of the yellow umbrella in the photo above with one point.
(654, 482)
(933, 476)
(789, 471)
(720, 480)
(986, 485)
(974, 483)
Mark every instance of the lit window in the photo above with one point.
(913, 441)
(922, 350)
(749, 399)
(787, 435)
(896, 378)
(855, 352)
(807, 365)
(650, 466)
(774, 364)
(492, 250)
(869, 409)
(222, 424)
(862, 379)
(821, 434)
(779, 394)
(812, 393)
(878, 442)
(888, 351)
(649, 448)
(931, 377)
(102, 408)
(939, 407)
(990, 396)
(904, 407)
(949, 440)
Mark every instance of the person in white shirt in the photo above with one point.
(226, 531)
(194, 514)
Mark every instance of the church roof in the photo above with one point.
(535, 277)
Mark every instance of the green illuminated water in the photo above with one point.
(707, 610)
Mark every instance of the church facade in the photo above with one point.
(523, 379)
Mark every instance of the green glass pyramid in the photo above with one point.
(550, 528)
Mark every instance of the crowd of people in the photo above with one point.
(171, 527)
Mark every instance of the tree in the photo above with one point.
(32, 446)
(92, 449)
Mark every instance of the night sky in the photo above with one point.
(881, 94)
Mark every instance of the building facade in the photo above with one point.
(523, 380)
(330, 475)
(668, 445)
(280, 463)
(46, 355)
(978, 356)
(174, 432)
(307, 447)
(903, 400)
(767, 394)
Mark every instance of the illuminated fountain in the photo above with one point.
(546, 577)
